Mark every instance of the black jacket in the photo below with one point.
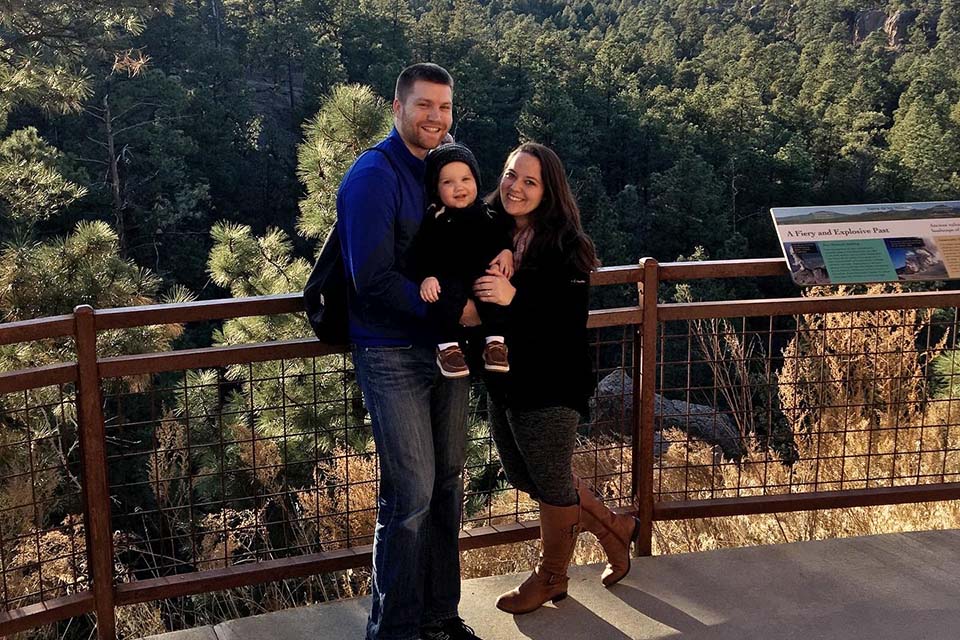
(458, 244)
(549, 354)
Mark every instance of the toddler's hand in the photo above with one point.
(430, 289)
(503, 263)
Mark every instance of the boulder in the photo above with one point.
(612, 407)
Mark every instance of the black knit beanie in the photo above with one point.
(444, 155)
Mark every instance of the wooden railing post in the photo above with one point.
(644, 391)
(96, 492)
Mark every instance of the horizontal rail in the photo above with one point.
(39, 329)
(176, 313)
(625, 274)
(119, 366)
(498, 534)
(47, 376)
(754, 505)
(222, 309)
(671, 271)
(243, 575)
(795, 306)
(615, 317)
(754, 268)
(43, 613)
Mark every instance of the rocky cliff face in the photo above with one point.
(866, 22)
(896, 26)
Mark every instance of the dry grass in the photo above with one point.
(489, 561)
(51, 563)
(757, 470)
(342, 505)
(854, 389)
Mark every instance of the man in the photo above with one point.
(418, 416)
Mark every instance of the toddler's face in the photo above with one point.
(456, 185)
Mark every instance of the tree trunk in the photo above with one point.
(275, 58)
(114, 177)
(290, 88)
(215, 10)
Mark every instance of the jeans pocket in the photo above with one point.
(385, 366)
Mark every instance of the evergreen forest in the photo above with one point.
(174, 150)
(162, 139)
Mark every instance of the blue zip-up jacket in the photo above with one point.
(377, 225)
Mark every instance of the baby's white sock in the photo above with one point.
(444, 345)
(495, 339)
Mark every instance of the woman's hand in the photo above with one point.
(494, 288)
(430, 289)
(503, 263)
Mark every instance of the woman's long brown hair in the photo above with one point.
(556, 222)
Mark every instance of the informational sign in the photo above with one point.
(870, 242)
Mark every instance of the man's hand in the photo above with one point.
(470, 317)
(503, 263)
(430, 289)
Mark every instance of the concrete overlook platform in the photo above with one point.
(889, 587)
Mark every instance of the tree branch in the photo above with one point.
(146, 122)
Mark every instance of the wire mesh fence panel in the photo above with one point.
(42, 545)
(604, 453)
(760, 406)
(215, 467)
(232, 466)
(211, 468)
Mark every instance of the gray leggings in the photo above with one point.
(536, 448)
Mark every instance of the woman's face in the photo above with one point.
(521, 187)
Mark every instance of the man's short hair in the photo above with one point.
(421, 71)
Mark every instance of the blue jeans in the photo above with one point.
(419, 426)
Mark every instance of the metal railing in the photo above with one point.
(135, 478)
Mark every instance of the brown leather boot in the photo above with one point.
(614, 532)
(558, 537)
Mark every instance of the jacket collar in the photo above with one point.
(400, 151)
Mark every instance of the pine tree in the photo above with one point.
(44, 42)
(926, 143)
(33, 182)
(350, 120)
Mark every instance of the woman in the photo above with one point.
(535, 409)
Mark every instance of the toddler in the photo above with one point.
(461, 237)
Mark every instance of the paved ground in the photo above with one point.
(892, 587)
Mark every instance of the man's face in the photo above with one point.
(425, 116)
